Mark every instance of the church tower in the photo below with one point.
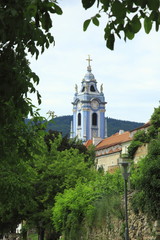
(88, 109)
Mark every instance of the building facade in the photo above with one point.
(88, 109)
(110, 150)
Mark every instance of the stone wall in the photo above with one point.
(109, 160)
(140, 153)
(140, 228)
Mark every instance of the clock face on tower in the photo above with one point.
(95, 104)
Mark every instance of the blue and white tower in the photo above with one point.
(88, 109)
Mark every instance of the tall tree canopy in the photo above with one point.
(24, 28)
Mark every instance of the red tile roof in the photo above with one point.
(88, 143)
(114, 140)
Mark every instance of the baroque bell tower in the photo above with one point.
(88, 108)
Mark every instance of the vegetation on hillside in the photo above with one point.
(63, 124)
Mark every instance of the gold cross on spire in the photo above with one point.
(89, 60)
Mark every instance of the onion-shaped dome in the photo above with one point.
(89, 75)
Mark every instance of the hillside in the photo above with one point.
(63, 124)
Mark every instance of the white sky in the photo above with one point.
(130, 74)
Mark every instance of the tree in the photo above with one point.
(18, 176)
(124, 17)
(78, 210)
(146, 180)
(142, 137)
(24, 28)
(56, 170)
(145, 177)
(67, 143)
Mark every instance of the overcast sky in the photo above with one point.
(130, 74)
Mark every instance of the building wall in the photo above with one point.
(140, 153)
(108, 161)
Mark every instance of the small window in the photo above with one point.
(94, 119)
(92, 89)
(83, 89)
(79, 119)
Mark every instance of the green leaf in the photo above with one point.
(58, 9)
(86, 24)
(147, 24)
(105, 4)
(14, 12)
(110, 41)
(142, 3)
(46, 21)
(118, 10)
(95, 21)
(107, 31)
(129, 35)
(157, 26)
(136, 24)
(88, 3)
(129, 31)
(153, 5)
(98, 15)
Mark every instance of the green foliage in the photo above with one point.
(154, 129)
(88, 4)
(133, 148)
(24, 28)
(26, 24)
(18, 176)
(33, 236)
(66, 143)
(56, 171)
(88, 205)
(139, 139)
(147, 181)
(145, 177)
(142, 137)
(125, 18)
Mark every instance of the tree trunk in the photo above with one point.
(41, 233)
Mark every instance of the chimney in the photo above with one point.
(121, 131)
(96, 140)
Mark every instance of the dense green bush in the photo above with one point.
(146, 176)
(93, 204)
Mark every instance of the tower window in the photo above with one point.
(94, 119)
(79, 119)
(92, 89)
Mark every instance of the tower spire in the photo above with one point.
(89, 65)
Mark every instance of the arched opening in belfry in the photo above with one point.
(92, 88)
(79, 119)
(94, 119)
(83, 89)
